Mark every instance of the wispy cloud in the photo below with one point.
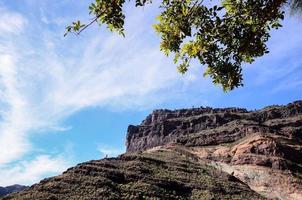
(48, 78)
(29, 172)
(11, 22)
(15, 121)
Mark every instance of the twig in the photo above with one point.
(86, 26)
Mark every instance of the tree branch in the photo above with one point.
(90, 23)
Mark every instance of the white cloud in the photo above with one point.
(11, 22)
(39, 90)
(47, 78)
(29, 172)
(14, 120)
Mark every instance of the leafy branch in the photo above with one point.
(221, 37)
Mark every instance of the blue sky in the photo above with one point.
(69, 100)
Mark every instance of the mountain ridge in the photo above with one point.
(163, 122)
(10, 189)
(197, 153)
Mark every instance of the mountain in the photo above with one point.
(10, 189)
(198, 153)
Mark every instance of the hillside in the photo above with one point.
(10, 189)
(198, 153)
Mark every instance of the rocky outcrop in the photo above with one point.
(249, 145)
(11, 189)
(207, 126)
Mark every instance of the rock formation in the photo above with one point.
(207, 126)
(262, 148)
(199, 153)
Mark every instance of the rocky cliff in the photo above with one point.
(199, 153)
(207, 126)
(262, 148)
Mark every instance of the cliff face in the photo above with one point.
(207, 126)
(200, 153)
(262, 148)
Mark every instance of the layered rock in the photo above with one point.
(262, 148)
(207, 126)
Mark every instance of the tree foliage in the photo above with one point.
(222, 37)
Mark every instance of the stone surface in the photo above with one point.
(207, 126)
(262, 148)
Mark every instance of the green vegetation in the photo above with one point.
(164, 174)
(222, 37)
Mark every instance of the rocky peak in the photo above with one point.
(166, 126)
(160, 115)
(262, 148)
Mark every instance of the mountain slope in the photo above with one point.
(262, 148)
(164, 174)
(199, 153)
(11, 189)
